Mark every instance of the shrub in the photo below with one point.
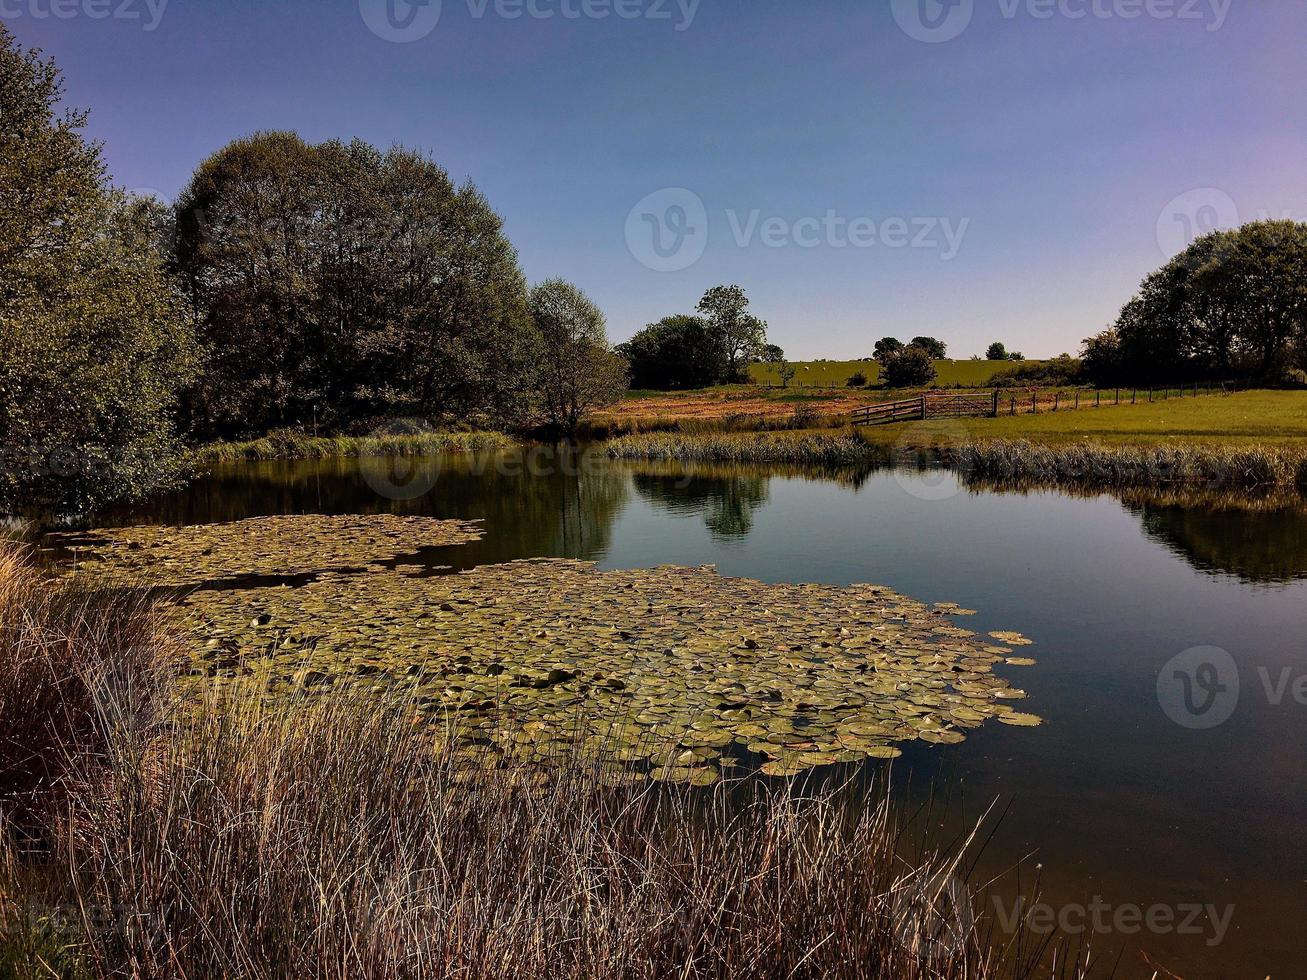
(909, 368)
(857, 380)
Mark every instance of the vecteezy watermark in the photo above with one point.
(1200, 688)
(933, 913)
(1104, 919)
(405, 21)
(1201, 211)
(111, 919)
(149, 13)
(669, 230)
(937, 21)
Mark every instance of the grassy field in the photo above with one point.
(1271, 417)
(835, 374)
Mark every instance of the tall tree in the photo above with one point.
(577, 370)
(337, 281)
(93, 344)
(675, 354)
(937, 350)
(741, 334)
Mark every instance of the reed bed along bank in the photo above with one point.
(289, 444)
(1083, 465)
(321, 838)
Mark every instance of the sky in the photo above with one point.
(974, 170)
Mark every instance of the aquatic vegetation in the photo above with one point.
(537, 660)
(287, 444)
(990, 462)
(279, 545)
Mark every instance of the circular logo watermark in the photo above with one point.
(933, 915)
(1199, 688)
(401, 21)
(933, 21)
(924, 457)
(400, 476)
(1193, 214)
(668, 230)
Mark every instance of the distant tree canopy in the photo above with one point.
(742, 335)
(93, 342)
(681, 352)
(577, 370)
(886, 346)
(936, 350)
(1232, 304)
(675, 354)
(337, 281)
(910, 367)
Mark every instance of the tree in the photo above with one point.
(740, 333)
(936, 349)
(1234, 302)
(337, 281)
(578, 371)
(911, 367)
(996, 352)
(93, 344)
(1016, 355)
(886, 346)
(675, 354)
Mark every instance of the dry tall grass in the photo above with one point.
(324, 839)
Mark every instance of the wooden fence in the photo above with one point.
(935, 404)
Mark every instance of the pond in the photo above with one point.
(1169, 777)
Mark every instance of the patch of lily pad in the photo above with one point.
(677, 671)
(274, 546)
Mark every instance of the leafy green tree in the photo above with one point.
(578, 371)
(936, 349)
(886, 346)
(911, 367)
(1233, 303)
(336, 281)
(93, 342)
(675, 354)
(996, 352)
(740, 334)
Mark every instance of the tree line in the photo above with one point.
(291, 284)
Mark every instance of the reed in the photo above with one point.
(289, 444)
(326, 837)
(1083, 465)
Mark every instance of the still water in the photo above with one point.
(1118, 802)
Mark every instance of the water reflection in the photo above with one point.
(1261, 546)
(726, 501)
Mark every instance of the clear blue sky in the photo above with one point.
(1054, 144)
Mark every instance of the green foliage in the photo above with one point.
(886, 346)
(336, 281)
(1060, 370)
(94, 344)
(675, 354)
(577, 370)
(996, 352)
(936, 350)
(908, 368)
(1232, 304)
(857, 380)
(741, 334)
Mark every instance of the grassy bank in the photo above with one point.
(324, 838)
(288, 444)
(1079, 464)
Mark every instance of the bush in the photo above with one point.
(1061, 370)
(858, 380)
(96, 346)
(909, 368)
(675, 354)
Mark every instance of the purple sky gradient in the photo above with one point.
(1061, 141)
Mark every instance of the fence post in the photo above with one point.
(1034, 403)
(1098, 399)
(1057, 400)
(923, 408)
(1014, 404)
(995, 415)
(1077, 399)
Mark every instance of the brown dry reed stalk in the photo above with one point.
(204, 837)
